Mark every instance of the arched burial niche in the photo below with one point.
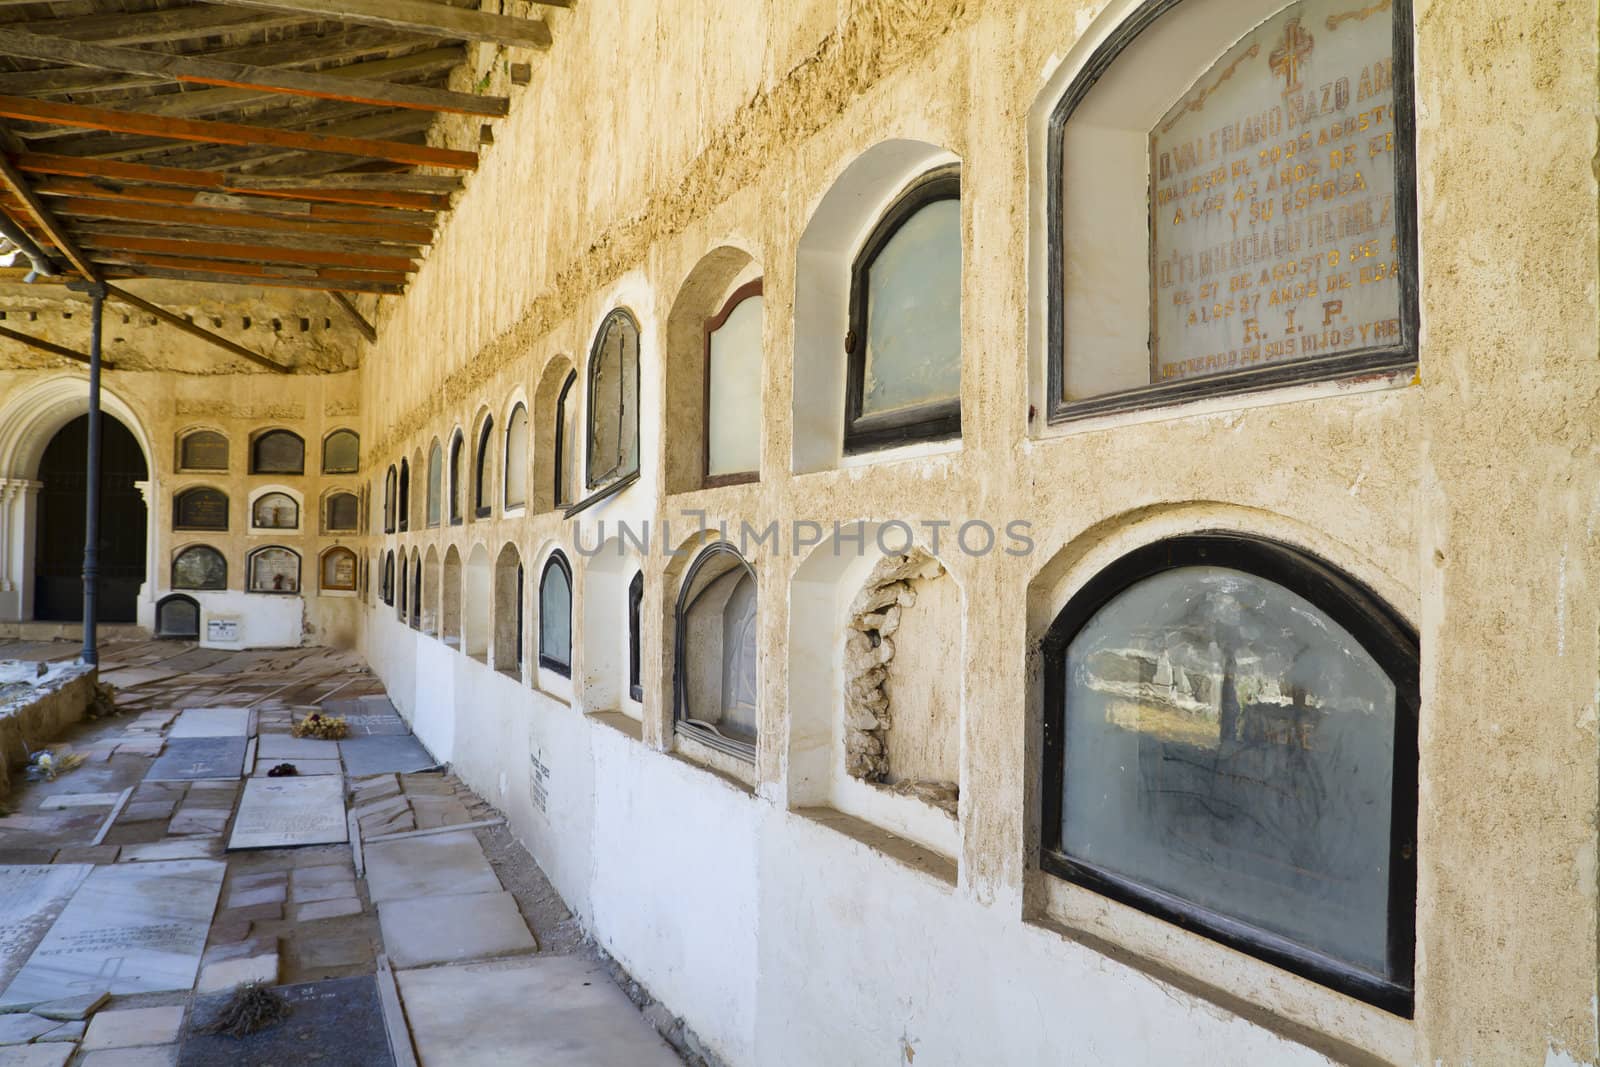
(516, 474)
(403, 498)
(200, 508)
(199, 567)
(551, 436)
(458, 445)
(274, 510)
(508, 609)
(337, 571)
(435, 483)
(431, 608)
(828, 258)
(390, 489)
(341, 452)
(277, 452)
(611, 453)
(476, 601)
(555, 616)
(609, 636)
(716, 694)
(415, 601)
(58, 553)
(386, 592)
(713, 384)
(341, 512)
(419, 514)
(875, 729)
(1229, 742)
(1263, 152)
(273, 569)
(203, 450)
(178, 616)
(450, 598)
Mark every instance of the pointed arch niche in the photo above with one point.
(609, 638)
(450, 598)
(552, 443)
(875, 731)
(718, 287)
(509, 611)
(476, 602)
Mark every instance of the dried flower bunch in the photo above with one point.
(326, 727)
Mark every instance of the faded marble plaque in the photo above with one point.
(189, 758)
(130, 928)
(285, 812)
(31, 897)
(379, 755)
(212, 722)
(1273, 217)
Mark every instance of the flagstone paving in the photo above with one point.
(126, 920)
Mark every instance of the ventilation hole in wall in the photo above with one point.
(2, 316)
(152, 321)
(327, 324)
(216, 323)
(189, 319)
(247, 322)
(66, 314)
(33, 316)
(126, 320)
(305, 324)
(277, 325)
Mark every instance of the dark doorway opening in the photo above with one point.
(58, 566)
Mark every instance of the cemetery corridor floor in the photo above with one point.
(385, 901)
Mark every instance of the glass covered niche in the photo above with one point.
(1231, 754)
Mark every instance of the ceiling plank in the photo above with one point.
(348, 306)
(380, 288)
(45, 346)
(13, 180)
(97, 118)
(251, 270)
(192, 330)
(249, 202)
(200, 70)
(165, 26)
(85, 231)
(222, 182)
(265, 254)
(80, 207)
(423, 16)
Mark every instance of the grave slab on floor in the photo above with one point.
(129, 928)
(191, 758)
(279, 747)
(380, 755)
(452, 929)
(79, 800)
(434, 866)
(336, 1021)
(285, 812)
(211, 722)
(536, 1010)
(50, 1055)
(31, 898)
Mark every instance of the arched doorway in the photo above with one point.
(58, 566)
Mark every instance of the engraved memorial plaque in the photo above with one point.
(274, 570)
(204, 450)
(1273, 207)
(200, 509)
(339, 569)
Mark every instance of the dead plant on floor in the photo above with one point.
(253, 1007)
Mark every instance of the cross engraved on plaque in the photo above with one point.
(1291, 52)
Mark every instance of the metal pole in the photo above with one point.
(91, 515)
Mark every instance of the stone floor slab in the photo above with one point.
(51, 1055)
(537, 1011)
(276, 748)
(212, 722)
(189, 758)
(286, 812)
(335, 1022)
(377, 755)
(424, 930)
(31, 898)
(441, 865)
(130, 928)
(132, 1027)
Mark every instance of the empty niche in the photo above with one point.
(902, 700)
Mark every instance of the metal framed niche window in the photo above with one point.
(613, 410)
(905, 299)
(1230, 744)
(717, 704)
(1312, 24)
(555, 615)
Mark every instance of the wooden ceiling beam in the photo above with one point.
(86, 231)
(199, 70)
(81, 207)
(391, 125)
(96, 118)
(353, 313)
(165, 26)
(253, 204)
(192, 330)
(264, 254)
(423, 16)
(13, 180)
(101, 170)
(252, 270)
(380, 288)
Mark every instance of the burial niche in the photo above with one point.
(274, 569)
(203, 450)
(338, 570)
(178, 616)
(1274, 195)
(200, 508)
(278, 452)
(555, 616)
(199, 567)
(902, 700)
(516, 494)
(716, 698)
(1230, 743)
(341, 452)
(613, 439)
(435, 483)
(275, 511)
(343, 513)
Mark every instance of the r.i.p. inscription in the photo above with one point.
(1273, 223)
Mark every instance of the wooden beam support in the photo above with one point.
(166, 25)
(423, 16)
(13, 180)
(255, 205)
(218, 181)
(85, 232)
(83, 207)
(47, 346)
(263, 254)
(199, 70)
(99, 118)
(381, 288)
(252, 270)
(192, 330)
(352, 312)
